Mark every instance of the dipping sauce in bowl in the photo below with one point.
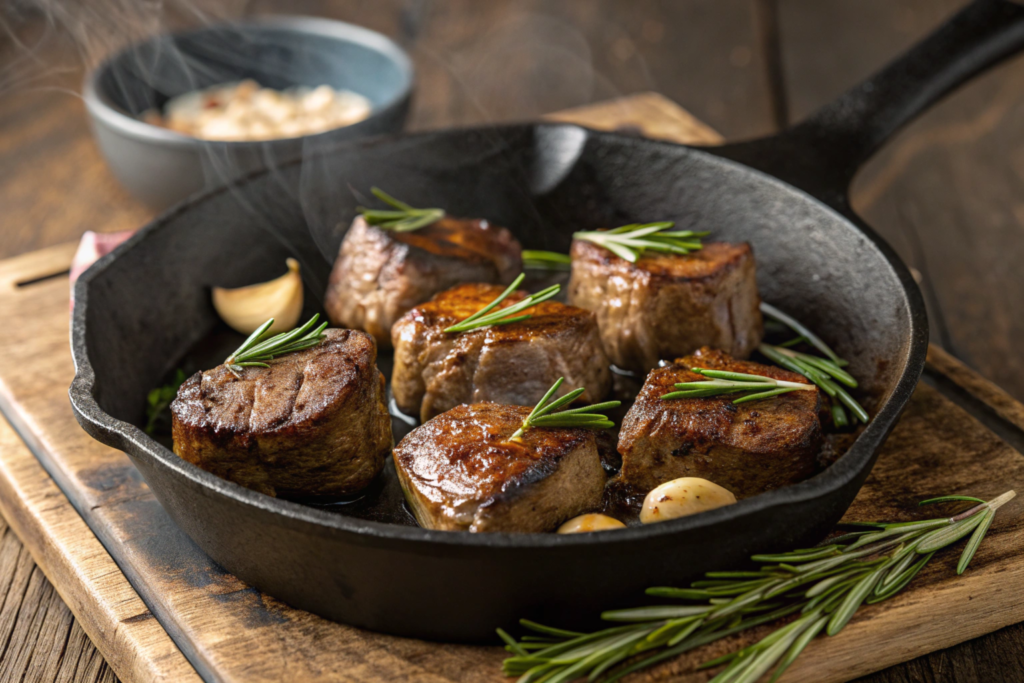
(246, 111)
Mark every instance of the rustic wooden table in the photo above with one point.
(947, 193)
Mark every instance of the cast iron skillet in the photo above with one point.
(140, 308)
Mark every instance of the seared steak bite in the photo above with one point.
(313, 423)
(667, 305)
(460, 472)
(513, 364)
(747, 448)
(380, 274)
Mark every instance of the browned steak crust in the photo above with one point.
(747, 448)
(459, 471)
(313, 423)
(380, 274)
(665, 306)
(513, 364)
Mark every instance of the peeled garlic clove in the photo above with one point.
(246, 308)
(682, 497)
(592, 522)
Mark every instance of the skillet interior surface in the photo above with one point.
(543, 182)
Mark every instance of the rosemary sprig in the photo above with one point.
(484, 317)
(535, 259)
(826, 372)
(256, 351)
(631, 241)
(159, 399)
(403, 218)
(824, 586)
(543, 414)
(725, 383)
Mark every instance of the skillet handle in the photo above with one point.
(821, 154)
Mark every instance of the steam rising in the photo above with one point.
(43, 39)
(489, 63)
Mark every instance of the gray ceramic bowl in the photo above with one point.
(161, 167)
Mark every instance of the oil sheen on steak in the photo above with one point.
(747, 448)
(513, 364)
(380, 274)
(460, 472)
(665, 305)
(313, 423)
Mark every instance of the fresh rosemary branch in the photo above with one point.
(726, 383)
(484, 317)
(403, 218)
(159, 399)
(824, 586)
(535, 259)
(630, 241)
(543, 414)
(256, 351)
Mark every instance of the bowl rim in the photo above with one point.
(855, 462)
(101, 108)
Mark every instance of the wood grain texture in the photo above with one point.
(42, 641)
(219, 622)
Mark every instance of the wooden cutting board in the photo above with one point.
(158, 609)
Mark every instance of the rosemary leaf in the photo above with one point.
(852, 601)
(723, 383)
(485, 317)
(544, 415)
(629, 242)
(256, 351)
(948, 499)
(940, 538)
(534, 259)
(403, 218)
(976, 539)
(798, 646)
(649, 613)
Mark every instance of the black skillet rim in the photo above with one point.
(129, 437)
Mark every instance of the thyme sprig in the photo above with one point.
(756, 387)
(631, 241)
(485, 317)
(824, 586)
(544, 415)
(403, 218)
(536, 259)
(257, 351)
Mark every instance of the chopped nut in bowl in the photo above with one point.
(183, 112)
(247, 111)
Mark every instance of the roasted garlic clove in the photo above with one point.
(246, 308)
(682, 497)
(592, 522)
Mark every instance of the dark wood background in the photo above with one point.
(948, 192)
